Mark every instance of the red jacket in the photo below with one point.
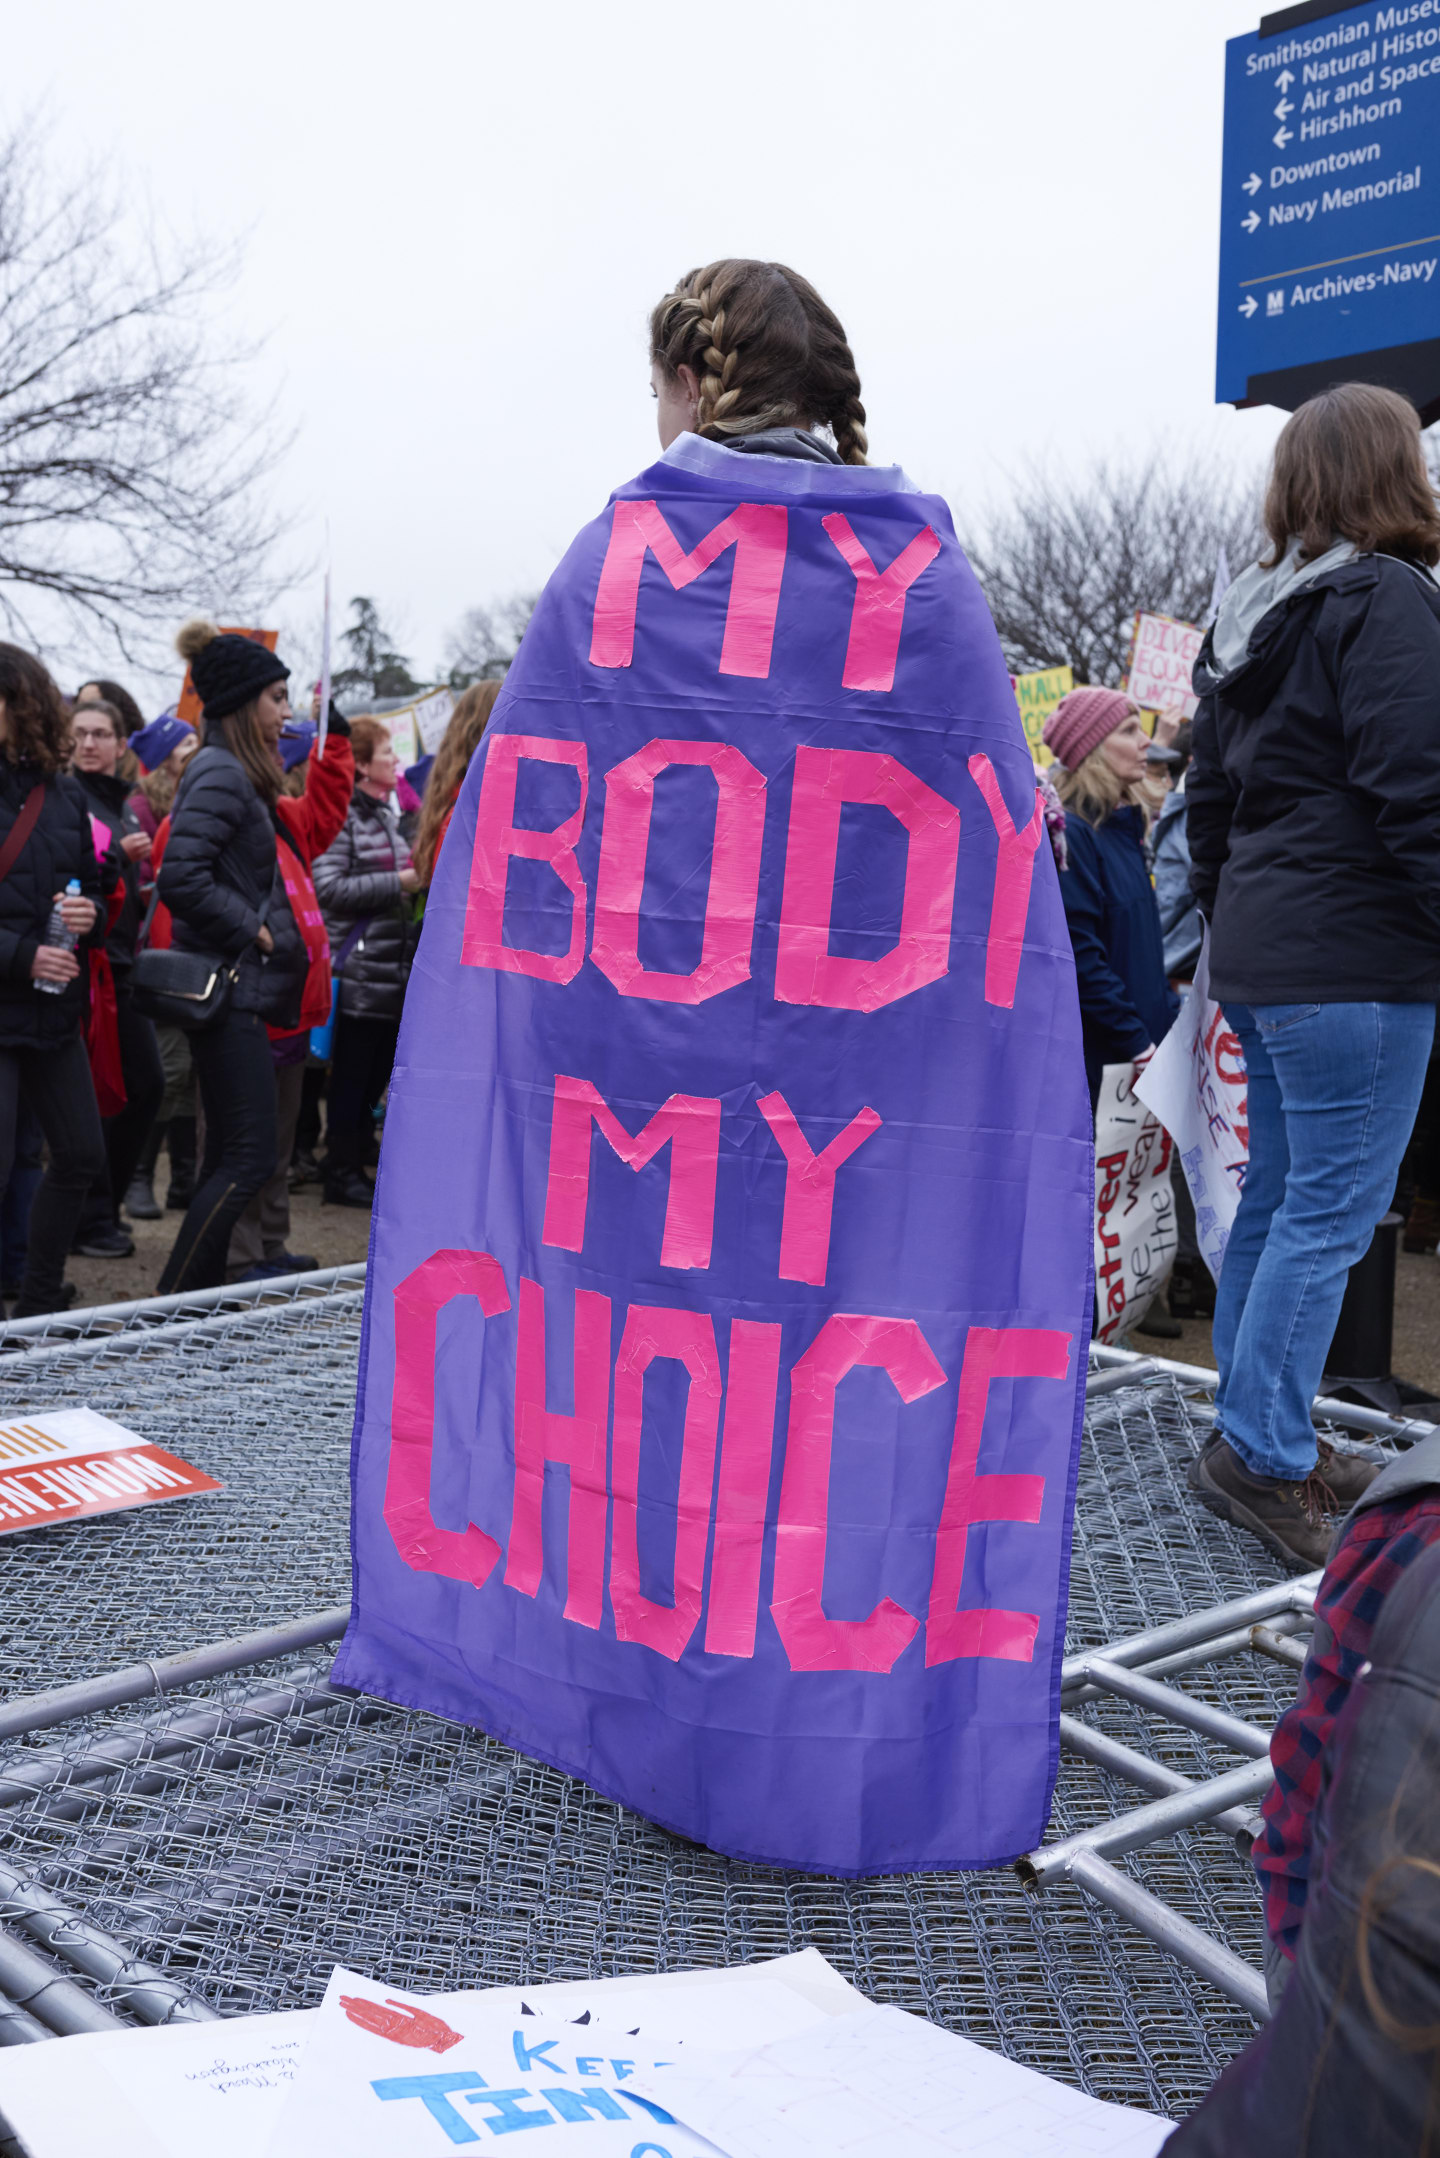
(312, 820)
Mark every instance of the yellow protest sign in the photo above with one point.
(1037, 696)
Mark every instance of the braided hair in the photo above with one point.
(767, 350)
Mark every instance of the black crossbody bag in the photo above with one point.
(184, 989)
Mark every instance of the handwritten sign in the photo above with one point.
(1037, 696)
(1134, 1204)
(1162, 660)
(69, 1463)
(1196, 1084)
(725, 1333)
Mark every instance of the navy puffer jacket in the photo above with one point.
(59, 848)
(1126, 1003)
(219, 865)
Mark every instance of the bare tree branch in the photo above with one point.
(485, 640)
(1067, 562)
(130, 465)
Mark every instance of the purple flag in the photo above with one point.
(729, 1292)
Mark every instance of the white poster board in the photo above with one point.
(1162, 659)
(1134, 1204)
(1196, 1084)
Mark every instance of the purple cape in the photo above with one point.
(730, 1281)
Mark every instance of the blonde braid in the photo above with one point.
(718, 391)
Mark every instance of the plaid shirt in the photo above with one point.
(1364, 1567)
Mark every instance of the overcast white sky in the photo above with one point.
(458, 217)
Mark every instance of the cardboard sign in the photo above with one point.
(418, 729)
(729, 1294)
(1134, 1204)
(72, 1462)
(1162, 660)
(190, 706)
(1037, 696)
(1197, 1085)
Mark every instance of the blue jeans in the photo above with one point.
(1333, 1092)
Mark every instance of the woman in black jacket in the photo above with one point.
(1314, 827)
(45, 844)
(221, 881)
(97, 731)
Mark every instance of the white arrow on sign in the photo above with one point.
(1284, 79)
(1251, 223)
(1253, 185)
(1284, 109)
(1249, 306)
(1281, 136)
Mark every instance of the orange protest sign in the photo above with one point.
(189, 706)
(66, 1464)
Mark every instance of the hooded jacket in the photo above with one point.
(1314, 796)
(357, 881)
(59, 848)
(219, 866)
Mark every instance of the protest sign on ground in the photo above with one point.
(67, 1463)
(1162, 659)
(725, 1334)
(1196, 1084)
(1134, 1204)
(1037, 696)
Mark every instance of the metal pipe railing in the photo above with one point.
(1209, 1957)
(1177, 1707)
(141, 1309)
(167, 1674)
(1149, 1824)
(1378, 1423)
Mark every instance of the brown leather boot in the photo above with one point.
(1287, 1517)
(1342, 1478)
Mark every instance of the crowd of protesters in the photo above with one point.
(279, 875)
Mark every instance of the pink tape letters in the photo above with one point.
(497, 841)
(805, 970)
(734, 872)
(543, 1434)
(812, 1641)
(752, 1384)
(878, 615)
(687, 1122)
(689, 1337)
(810, 1186)
(1010, 904)
(758, 531)
(466, 1554)
(1009, 1352)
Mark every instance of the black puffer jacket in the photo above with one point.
(357, 882)
(219, 864)
(59, 848)
(1325, 2080)
(108, 798)
(1314, 798)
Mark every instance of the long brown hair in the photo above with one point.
(38, 726)
(1349, 464)
(468, 722)
(256, 757)
(767, 350)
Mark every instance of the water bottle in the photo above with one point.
(56, 933)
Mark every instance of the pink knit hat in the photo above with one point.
(1081, 721)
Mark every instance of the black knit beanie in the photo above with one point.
(228, 671)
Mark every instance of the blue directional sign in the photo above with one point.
(1330, 205)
